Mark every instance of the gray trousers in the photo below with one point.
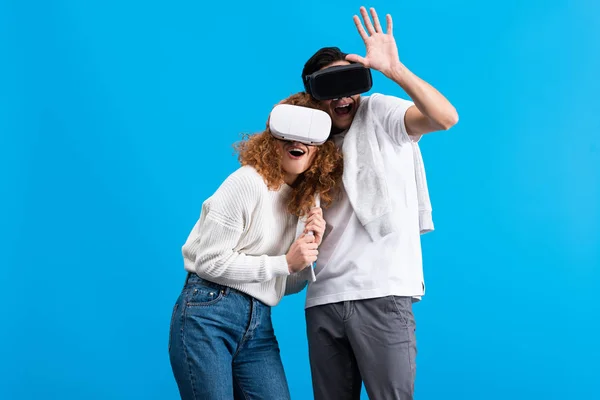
(371, 341)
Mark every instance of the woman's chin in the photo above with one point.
(294, 173)
(295, 168)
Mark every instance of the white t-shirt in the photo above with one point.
(350, 265)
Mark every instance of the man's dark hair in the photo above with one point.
(320, 59)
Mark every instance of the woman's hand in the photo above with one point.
(316, 224)
(302, 253)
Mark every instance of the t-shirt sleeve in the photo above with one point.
(216, 235)
(390, 111)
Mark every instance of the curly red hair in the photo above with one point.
(324, 176)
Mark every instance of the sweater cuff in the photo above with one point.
(280, 266)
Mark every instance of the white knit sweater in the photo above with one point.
(242, 237)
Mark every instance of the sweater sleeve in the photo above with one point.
(212, 244)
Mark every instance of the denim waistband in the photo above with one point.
(195, 279)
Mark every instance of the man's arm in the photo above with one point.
(432, 111)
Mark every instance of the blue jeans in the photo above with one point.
(222, 345)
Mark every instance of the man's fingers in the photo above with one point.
(376, 20)
(357, 59)
(359, 27)
(390, 24)
(367, 20)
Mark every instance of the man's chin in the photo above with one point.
(339, 128)
(336, 130)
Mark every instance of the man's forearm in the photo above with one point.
(437, 112)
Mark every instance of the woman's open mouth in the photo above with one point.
(296, 152)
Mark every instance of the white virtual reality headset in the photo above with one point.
(300, 124)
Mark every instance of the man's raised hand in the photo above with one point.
(382, 52)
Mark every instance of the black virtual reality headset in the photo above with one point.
(338, 82)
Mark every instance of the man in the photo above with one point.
(360, 323)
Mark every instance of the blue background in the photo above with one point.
(117, 120)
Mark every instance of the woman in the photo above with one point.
(239, 257)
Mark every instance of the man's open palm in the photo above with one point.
(382, 52)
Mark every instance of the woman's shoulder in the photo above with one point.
(241, 190)
(247, 176)
(248, 172)
(245, 181)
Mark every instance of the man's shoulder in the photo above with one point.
(380, 100)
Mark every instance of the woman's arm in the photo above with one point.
(212, 243)
(216, 259)
(296, 282)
